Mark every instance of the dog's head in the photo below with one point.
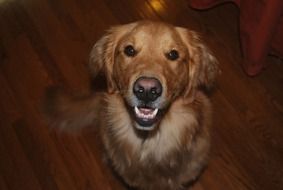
(151, 64)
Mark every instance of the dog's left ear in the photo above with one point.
(202, 65)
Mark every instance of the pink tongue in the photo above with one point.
(146, 111)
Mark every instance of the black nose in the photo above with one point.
(147, 89)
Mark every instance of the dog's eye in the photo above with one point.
(173, 55)
(130, 51)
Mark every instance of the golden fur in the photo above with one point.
(175, 149)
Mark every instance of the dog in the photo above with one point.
(154, 116)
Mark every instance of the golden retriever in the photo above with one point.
(154, 118)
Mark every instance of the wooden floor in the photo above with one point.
(47, 42)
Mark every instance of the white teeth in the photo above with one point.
(155, 112)
(137, 110)
(146, 114)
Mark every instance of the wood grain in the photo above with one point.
(47, 42)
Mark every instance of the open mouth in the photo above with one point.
(146, 117)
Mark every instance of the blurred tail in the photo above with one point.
(71, 113)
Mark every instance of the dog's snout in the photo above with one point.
(147, 89)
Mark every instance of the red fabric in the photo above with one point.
(261, 29)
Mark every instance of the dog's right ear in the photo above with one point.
(101, 58)
(103, 53)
